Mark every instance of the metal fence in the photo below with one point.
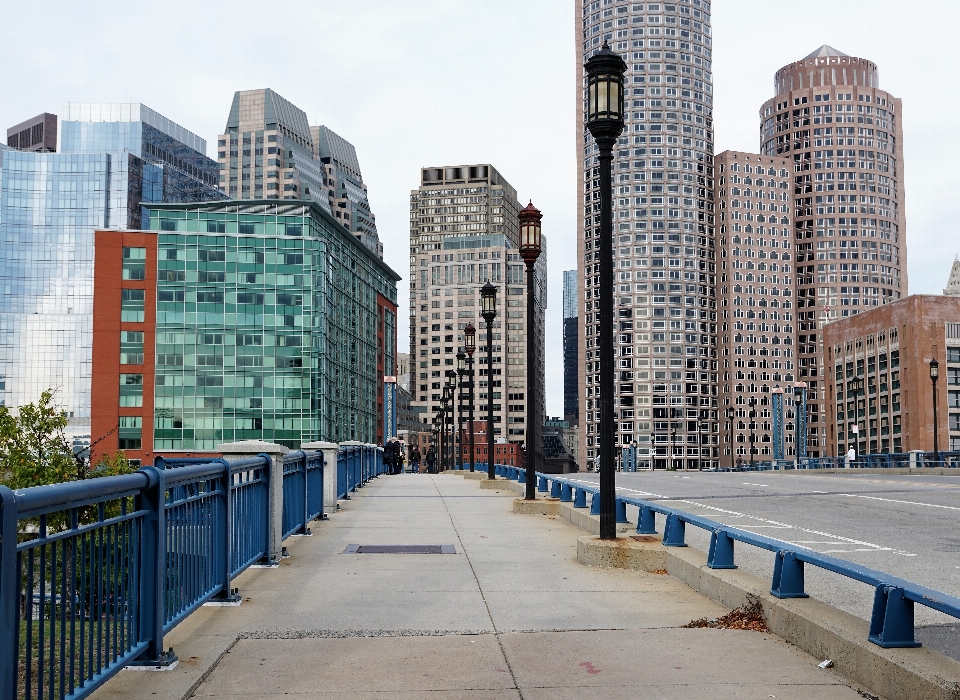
(892, 619)
(94, 573)
(916, 459)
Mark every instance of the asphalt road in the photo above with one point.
(907, 525)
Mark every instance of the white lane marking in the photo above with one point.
(893, 500)
(747, 483)
(718, 512)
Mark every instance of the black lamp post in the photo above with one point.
(438, 422)
(934, 373)
(488, 309)
(604, 109)
(753, 425)
(856, 385)
(461, 371)
(452, 388)
(530, 247)
(445, 406)
(470, 345)
(730, 415)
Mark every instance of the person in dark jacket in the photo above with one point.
(415, 459)
(431, 461)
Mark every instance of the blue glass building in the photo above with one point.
(111, 159)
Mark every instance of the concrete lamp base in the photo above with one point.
(623, 553)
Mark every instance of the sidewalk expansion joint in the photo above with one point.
(473, 571)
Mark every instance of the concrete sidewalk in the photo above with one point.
(511, 615)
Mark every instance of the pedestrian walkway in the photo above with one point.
(511, 614)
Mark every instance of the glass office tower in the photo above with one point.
(665, 260)
(270, 322)
(111, 159)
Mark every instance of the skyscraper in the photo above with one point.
(571, 341)
(463, 233)
(270, 151)
(111, 159)
(845, 139)
(756, 290)
(664, 233)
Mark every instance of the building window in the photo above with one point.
(134, 263)
(131, 305)
(131, 428)
(131, 347)
(131, 390)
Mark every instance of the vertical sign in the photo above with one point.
(800, 409)
(777, 405)
(389, 407)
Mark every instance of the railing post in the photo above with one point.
(329, 450)
(621, 512)
(555, 489)
(787, 576)
(274, 454)
(580, 499)
(721, 551)
(674, 531)
(224, 535)
(891, 625)
(566, 493)
(542, 484)
(9, 593)
(153, 565)
(647, 521)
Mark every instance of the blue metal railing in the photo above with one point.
(892, 620)
(94, 573)
(302, 491)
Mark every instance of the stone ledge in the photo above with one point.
(537, 507)
(622, 553)
(498, 484)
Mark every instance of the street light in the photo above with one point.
(856, 386)
(934, 373)
(730, 414)
(604, 72)
(445, 404)
(438, 422)
(461, 371)
(470, 345)
(753, 425)
(452, 389)
(488, 309)
(530, 247)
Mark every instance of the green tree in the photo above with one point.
(33, 445)
(34, 449)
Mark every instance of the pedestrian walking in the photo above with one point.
(431, 460)
(415, 459)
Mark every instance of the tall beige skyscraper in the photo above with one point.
(464, 232)
(844, 136)
(664, 246)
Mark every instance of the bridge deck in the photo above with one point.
(511, 614)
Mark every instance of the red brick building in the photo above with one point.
(889, 348)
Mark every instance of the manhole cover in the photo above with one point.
(400, 549)
(644, 538)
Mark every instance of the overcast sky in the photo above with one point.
(415, 84)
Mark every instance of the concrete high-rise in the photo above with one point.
(463, 233)
(571, 342)
(270, 151)
(664, 234)
(844, 136)
(110, 160)
(756, 291)
(37, 134)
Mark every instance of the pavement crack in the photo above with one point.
(486, 604)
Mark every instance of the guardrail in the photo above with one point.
(302, 491)
(356, 465)
(892, 619)
(94, 573)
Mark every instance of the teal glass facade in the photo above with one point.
(267, 323)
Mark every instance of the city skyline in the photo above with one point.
(396, 131)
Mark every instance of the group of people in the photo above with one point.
(393, 458)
